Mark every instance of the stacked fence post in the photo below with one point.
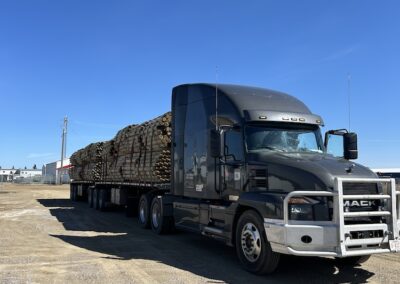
(138, 153)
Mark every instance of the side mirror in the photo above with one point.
(214, 143)
(341, 143)
(350, 149)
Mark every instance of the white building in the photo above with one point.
(51, 172)
(7, 174)
(29, 173)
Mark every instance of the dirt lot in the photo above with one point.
(45, 238)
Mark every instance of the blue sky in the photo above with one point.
(107, 64)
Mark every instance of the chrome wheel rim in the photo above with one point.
(251, 242)
(155, 215)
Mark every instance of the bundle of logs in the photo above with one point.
(138, 153)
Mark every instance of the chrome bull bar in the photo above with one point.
(346, 246)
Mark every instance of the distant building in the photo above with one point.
(51, 172)
(28, 173)
(27, 176)
(388, 172)
(7, 175)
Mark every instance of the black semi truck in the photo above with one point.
(250, 168)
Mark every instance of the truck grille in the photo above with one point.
(359, 205)
(354, 188)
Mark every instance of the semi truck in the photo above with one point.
(249, 167)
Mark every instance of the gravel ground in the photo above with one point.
(46, 238)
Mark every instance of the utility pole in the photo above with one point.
(63, 146)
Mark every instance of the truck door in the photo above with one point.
(233, 161)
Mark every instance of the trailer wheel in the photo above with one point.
(85, 190)
(352, 260)
(95, 198)
(144, 211)
(90, 196)
(252, 247)
(160, 224)
(102, 196)
(74, 192)
(71, 192)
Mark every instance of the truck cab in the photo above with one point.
(250, 167)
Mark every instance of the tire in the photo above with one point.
(77, 197)
(71, 192)
(352, 260)
(85, 190)
(90, 196)
(74, 193)
(102, 199)
(160, 224)
(144, 211)
(252, 247)
(95, 198)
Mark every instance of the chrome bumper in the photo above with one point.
(333, 238)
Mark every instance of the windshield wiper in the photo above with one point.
(306, 150)
(273, 148)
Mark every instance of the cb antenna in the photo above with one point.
(216, 97)
(348, 98)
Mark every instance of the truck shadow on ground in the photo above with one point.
(121, 238)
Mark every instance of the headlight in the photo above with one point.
(300, 211)
(309, 209)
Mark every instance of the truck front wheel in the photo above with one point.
(144, 211)
(252, 247)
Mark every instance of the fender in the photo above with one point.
(267, 204)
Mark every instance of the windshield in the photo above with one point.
(284, 139)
